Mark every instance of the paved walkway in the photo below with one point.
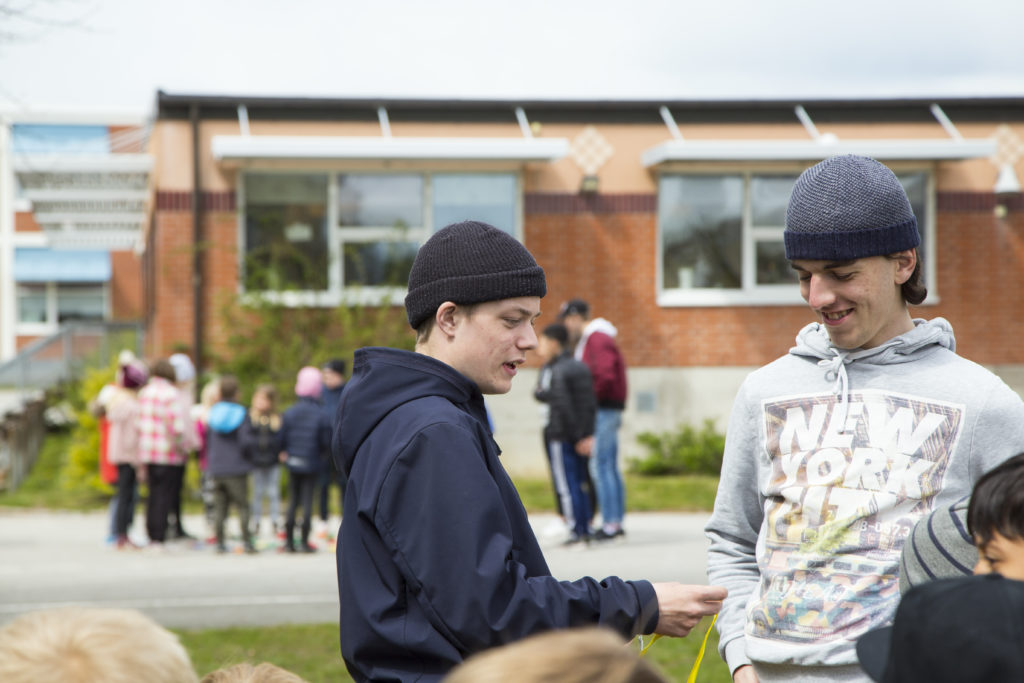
(49, 559)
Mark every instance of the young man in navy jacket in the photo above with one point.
(437, 559)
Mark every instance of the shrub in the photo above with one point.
(684, 451)
(270, 341)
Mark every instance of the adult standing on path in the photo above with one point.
(836, 449)
(594, 342)
(437, 558)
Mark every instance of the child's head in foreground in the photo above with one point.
(995, 519)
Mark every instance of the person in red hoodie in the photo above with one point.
(595, 345)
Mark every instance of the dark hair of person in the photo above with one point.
(228, 388)
(163, 368)
(997, 503)
(913, 290)
(558, 332)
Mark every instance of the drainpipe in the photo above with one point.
(197, 245)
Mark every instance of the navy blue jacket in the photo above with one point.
(437, 559)
(306, 436)
(225, 456)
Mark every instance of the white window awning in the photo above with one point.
(816, 150)
(267, 147)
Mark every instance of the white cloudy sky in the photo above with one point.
(116, 53)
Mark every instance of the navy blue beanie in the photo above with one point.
(848, 207)
(470, 263)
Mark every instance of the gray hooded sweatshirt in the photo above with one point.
(831, 456)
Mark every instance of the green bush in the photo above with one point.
(684, 451)
(269, 341)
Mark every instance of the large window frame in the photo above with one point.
(339, 236)
(52, 305)
(750, 293)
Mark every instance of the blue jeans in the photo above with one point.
(604, 466)
(266, 483)
(575, 466)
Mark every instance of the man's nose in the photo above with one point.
(819, 292)
(529, 339)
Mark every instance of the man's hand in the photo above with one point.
(745, 674)
(585, 446)
(682, 607)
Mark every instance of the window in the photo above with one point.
(285, 232)
(42, 306)
(80, 302)
(32, 304)
(721, 237)
(327, 233)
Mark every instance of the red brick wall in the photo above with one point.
(125, 285)
(605, 253)
(170, 321)
(981, 276)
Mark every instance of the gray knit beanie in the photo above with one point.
(848, 207)
(470, 263)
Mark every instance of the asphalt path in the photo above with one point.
(50, 559)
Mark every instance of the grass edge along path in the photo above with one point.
(312, 651)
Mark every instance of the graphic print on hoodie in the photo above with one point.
(846, 486)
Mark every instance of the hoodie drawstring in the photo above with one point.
(836, 370)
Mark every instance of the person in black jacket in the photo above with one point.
(262, 442)
(570, 428)
(437, 559)
(305, 439)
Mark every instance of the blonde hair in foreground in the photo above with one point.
(247, 673)
(89, 644)
(581, 655)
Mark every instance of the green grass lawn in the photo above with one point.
(311, 651)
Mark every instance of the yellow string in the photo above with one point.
(692, 678)
(645, 648)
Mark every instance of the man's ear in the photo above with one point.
(906, 261)
(445, 319)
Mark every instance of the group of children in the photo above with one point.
(151, 427)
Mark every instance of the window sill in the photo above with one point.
(709, 298)
(353, 296)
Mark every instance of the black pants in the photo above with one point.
(125, 499)
(231, 491)
(329, 476)
(175, 511)
(162, 482)
(300, 488)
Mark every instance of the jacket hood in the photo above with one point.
(226, 417)
(927, 337)
(812, 341)
(600, 325)
(384, 379)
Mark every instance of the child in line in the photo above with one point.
(200, 415)
(306, 438)
(122, 414)
(226, 463)
(263, 448)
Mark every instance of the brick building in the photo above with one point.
(74, 193)
(667, 217)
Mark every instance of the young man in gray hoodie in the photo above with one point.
(836, 449)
